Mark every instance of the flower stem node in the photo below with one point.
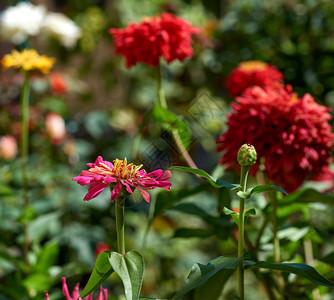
(247, 155)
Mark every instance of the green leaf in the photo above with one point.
(250, 212)
(200, 274)
(183, 132)
(5, 190)
(192, 232)
(163, 115)
(166, 199)
(267, 188)
(217, 183)
(303, 270)
(101, 272)
(47, 257)
(308, 196)
(130, 268)
(233, 214)
(38, 282)
(212, 288)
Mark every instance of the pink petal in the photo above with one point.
(83, 180)
(145, 195)
(94, 190)
(75, 294)
(128, 188)
(105, 292)
(155, 173)
(46, 295)
(117, 189)
(100, 296)
(65, 289)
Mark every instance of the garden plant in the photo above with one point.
(217, 114)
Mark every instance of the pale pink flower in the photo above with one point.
(8, 147)
(102, 295)
(55, 128)
(118, 175)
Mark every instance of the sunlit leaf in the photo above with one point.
(101, 272)
(130, 268)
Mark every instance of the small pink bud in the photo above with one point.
(8, 147)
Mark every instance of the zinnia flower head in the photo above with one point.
(291, 135)
(28, 60)
(103, 293)
(164, 36)
(250, 73)
(121, 175)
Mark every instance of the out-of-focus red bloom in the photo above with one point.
(251, 73)
(118, 175)
(291, 134)
(164, 36)
(103, 293)
(100, 247)
(55, 128)
(8, 147)
(58, 84)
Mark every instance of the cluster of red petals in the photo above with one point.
(58, 84)
(102, 295)
(164, 36)
(292, 134)
(251, 73)
(121, 175)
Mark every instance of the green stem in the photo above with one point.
(243, 187)
(161, 94)
(176, 136)
(24, 157)
(277, 255)
(119, 211)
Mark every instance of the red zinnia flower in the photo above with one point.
(103, 293)
(165, 35)
(100, 247)
(292, 134)
(103, 173)
(250, 73)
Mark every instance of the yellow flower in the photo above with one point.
(28, 60)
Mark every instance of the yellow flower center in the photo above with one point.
(121, 169)
(253, 65)
(28, 60)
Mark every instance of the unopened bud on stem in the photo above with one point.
(247, 155)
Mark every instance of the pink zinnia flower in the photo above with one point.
(251, 73)
(118, 175)
(164, 36)
(292, 134)
(103, 293)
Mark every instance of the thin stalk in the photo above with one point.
(243, 184)
(24, 157)
(175, 134)
(119, 212)
(277, 254)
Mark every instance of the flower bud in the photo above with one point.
(247, 155)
